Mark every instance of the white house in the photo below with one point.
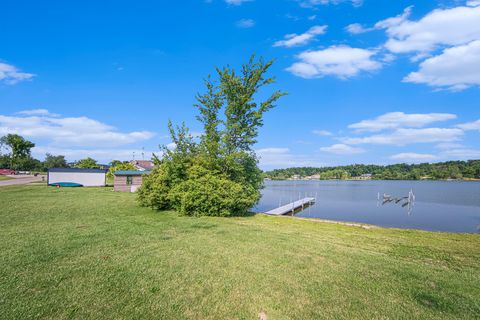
(85, 177)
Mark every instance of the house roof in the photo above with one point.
(143, 164)
(77, 170)
(130, 172)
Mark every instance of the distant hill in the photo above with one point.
(436, 171)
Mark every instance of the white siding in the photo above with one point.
(88, 179)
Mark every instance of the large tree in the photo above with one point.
(19, 151)
(218, 175)
(117, 165)
(87, 163)
(52, 161)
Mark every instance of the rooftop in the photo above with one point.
(130, 172)
(77, 170)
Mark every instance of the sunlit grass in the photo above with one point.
(92, 253)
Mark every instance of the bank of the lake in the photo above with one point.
(94, 254)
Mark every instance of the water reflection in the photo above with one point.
(407, 202)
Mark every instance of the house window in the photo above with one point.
(129, 180)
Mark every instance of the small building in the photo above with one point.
(365, 176)
(128, 180)
(143, 165)
(85, 177)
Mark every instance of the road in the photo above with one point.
(20, 180)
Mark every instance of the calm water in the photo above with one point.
(452, 206)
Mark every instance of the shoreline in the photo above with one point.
(366, 226)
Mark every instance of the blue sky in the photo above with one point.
(367, 82)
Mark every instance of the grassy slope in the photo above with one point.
(92, 253)
(2, 177)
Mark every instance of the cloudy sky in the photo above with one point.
(368, 82)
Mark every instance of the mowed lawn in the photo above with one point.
(94, 254)
(3, 178)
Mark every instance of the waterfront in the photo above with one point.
(452, 206)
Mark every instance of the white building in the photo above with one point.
(85, 177)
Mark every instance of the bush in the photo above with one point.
(155, 190)
(212, 195)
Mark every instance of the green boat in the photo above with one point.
(65, 184)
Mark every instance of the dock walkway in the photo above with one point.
(291, 207)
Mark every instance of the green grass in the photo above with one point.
(3, 178)
(91, 253)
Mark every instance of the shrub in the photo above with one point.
(212, 195)
(155, 190)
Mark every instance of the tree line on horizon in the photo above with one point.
(15, 154)
(436, 171)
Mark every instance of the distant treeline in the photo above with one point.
(436, 171)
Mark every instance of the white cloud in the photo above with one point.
(245, 23)
(473, 3)
(38, 112)
(313, 3)
(322, 133)
(294, 39)
(340, 61)
(357, 28)
(394, 120)
(394, 21)
(448, 145)
(462, 153)
(70, 131)
(440, 27)
(11, 75)
(475, 125)
(401, 137)
(342, 149)
(455, 31)
(411, 157)
(171, 146)
(455, 68)
(282, 157)
(237, 2)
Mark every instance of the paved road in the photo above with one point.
(20, 180)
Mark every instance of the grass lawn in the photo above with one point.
(94, 254)
(2, 178)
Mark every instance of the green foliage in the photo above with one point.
(219, 175)
(335, 174)
(52, 161)
(155, 189)
(118, 165)
(87, 163)
(211, 195)
(4, 161)
(19, 148)
(443, 170)
(29, 164)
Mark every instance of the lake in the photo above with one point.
(452, 206)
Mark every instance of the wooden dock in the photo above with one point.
(291, 207)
